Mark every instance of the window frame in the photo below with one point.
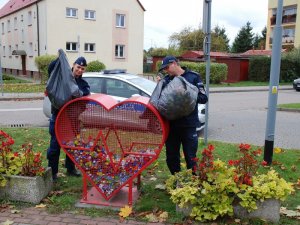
(89, 14)
(87, 47)
(120, 20)
(69, 9)
(71, 46)
(120, 51)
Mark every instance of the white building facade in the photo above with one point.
(109, 31)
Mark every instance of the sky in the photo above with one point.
(163, 18)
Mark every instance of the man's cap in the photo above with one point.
(166, 61)
(81, 61)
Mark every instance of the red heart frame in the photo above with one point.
(110, 142)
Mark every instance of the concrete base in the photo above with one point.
(95, 199)
(27, 189)
(266, 210)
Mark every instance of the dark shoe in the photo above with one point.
(54, 177)
(74, 173)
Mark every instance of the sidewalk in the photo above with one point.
(38, 216)
(40, 96)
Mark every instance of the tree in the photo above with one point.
(244, 39)
(221, 33)
(192, 39)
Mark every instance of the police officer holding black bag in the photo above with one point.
(63, 85)
(183, 130)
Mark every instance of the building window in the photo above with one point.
(89, 14)
(2, 27)
(16, 23)
(22, 18)
(9, 51)
(29, 18)
(30, 51)
(120, 20)
(23, 36)
(89, 47)
(119, 51)
(8, 25)
(71, 46)
(4, 51)
(288, 35)
(71, 12)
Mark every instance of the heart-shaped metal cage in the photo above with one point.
(110, 142)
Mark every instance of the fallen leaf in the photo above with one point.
(152, 218)
(163, 217)
(294, 168)
(289, 213)
(283, 168)
(237, 220)
(277, 150)
(125, 211)
(153, 179)
(14, 211)
(160, 187)
(41, 206)
(7, 222)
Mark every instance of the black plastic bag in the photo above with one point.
(177, 99)
(61, 86)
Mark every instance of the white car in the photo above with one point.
(121, 85)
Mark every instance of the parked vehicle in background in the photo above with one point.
(296, 84)
(120, 85)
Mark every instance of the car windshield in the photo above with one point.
(146, 84)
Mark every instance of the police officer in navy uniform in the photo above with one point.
(53, 151)
(183, 130)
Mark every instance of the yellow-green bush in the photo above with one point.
(42, 63)
(218, 71)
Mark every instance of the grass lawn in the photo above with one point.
(290, 106)
(67, 191)
(15, 85)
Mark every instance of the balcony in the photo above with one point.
(285, 19)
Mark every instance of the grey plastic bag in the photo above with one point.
(176, 100)
(154, 99)
(61, 86)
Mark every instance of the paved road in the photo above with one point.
(235, 115)
(241, 117)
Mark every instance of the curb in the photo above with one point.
(21, 98)
(288, 110)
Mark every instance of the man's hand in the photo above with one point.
(158, 78)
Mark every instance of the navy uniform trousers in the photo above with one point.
(53, 151)
(187, 136)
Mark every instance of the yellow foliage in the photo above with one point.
(125, 211)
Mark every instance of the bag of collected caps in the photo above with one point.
(61, 86)
(177, 99)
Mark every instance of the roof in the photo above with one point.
(15, 5)
(201, 53)
(141, 5)
(253, 52)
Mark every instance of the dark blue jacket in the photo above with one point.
(191, 120)
(82, 84)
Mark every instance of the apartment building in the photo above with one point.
(290, 23)
(109, 31)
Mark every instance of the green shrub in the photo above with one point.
(42, 63)
(218, 71)
(7, 77)
(259, 68)
(95, 66)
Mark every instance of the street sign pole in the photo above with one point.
(273, 86)
(206, 50)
